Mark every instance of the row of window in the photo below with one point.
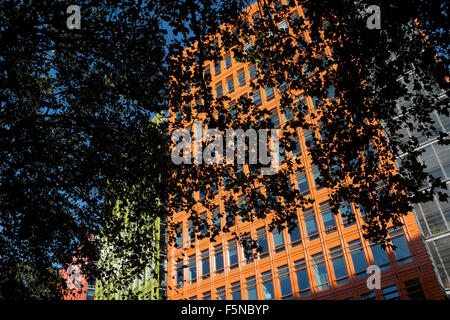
(340, 266)
(264, 290)
(309, 218)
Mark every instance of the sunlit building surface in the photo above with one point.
(324, 257)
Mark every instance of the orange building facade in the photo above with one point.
(325, 257)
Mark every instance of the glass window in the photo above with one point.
(267, 285)
(278, 240)
(295, 236)
(230, 84)
(252, 293)
(179, 232)
(219, 90)
(320, 271)
(252, 71)
(310, 223)
(218, 258)
(285, 282)
(241, 78)
(192, 269)
(206, 295)
(402, 253)
(216, 218)
(302, 277)
(346, 212)
(414, 290)
(207, 72)
(205, 264)
(270, 93)
(368, 296)
(327, 217)
(236, 291)
(247, 252)
(262, 242)
(275, 119)
(390, 293)
(180, 273)
(283, 25)
(228, 61)
(380, 257)
(316, 177)
(232, 254)
(302, 181)
(256, 97)
(338, 261)
(358, 258)
(220, 293)
(309, 138)
(217, 68)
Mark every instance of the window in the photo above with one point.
(310, 223)
(217, 68)
(262, 242)
(252, 72)
(241, 78)
(401, 252)
(203, 224)
(180, 274)
(380, 257)
(216, 218)
(288, 114)
(248, 46)
(390, 293)
(191, 232)
(236, 290)
(220, 293)
(338, 261)
(278, 241)
(296, 152)
(302, 277)
(205, 264)
(358, 259)
(229, 218)
(331, 92)
(327, 217)
(193, 298)
(179, 233)
(219, 90)
(192, 269)
(368, 296)
(206, 295)
(414, 290)
(275, 119)
(302, 181)
(283, 26)
(267, 285)
(347, 213)
(320, 271)
(247, 253)
(218, 259)
(285, 282)
(233, 261)
(316, 177)
(270, 93)
(256, 97)
(309, 138)
(228, 61)
(207, 73)
(230, 84)
(252, 293)
(295, 236)
(282, 87)
(255, 18)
